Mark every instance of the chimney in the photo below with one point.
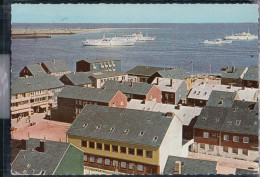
(158, 80)
(177, 167)
(132, 83)
(53, 61)
(179, 106)
(233, 69)
(171, 83)
(42, 146)
(24, 144)
(39, 64)
(169, 114)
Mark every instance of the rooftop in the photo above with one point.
(221, 99)
(144, 70)
(36, 70)
(115, 124)
(55, 66)
(175, 73)
(31, 161)
(190, 166)
(247, 94)
(168, 84)
(106, 74)
(251, 74)
(128, 87)
(79, 78)
(90, 94)
(234, 72)
(30, 84)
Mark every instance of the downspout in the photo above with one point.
(219, 143)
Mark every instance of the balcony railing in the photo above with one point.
(20, 99)
(20, 107)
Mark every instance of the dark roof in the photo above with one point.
(251, 74)
(79, 78)
(135, 121)
(125, 87)
(238, 70)
(55, 66)
(144, 70)
(101, 60)
(175, 73)
(221, 99)
(36, 70)
(190, 166)
(243, 172)
(241, 118)
(105, 74)
(211, 118)
(34, 162)
(90, 94)
(30, 84)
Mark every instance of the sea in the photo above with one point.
(176, 45)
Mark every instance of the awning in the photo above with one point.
(44, 106)
(21, 111)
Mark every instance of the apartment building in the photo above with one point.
(32, 70)
(174, 91)
(56, 67)
(43, 157)
(99, 64)
(72, 99)
(34, 94)
(229, 132)
(99, 78)
(134, 90)
(124, 140)
(187, 166)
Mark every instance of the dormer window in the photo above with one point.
(217, 120)
(84, 125)
(221, 102)
(238, 122)
(141, 134)
(112, 129)
(204, 118)
(126, 131)
(98, 127)
(155, 138)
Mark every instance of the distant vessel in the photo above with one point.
(242, 36)
(114, 41)
(140, 37)
(216, 42)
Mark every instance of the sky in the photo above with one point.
(134, 13)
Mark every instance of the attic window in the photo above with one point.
(29, 165)
(111, 129)
(149, 119)
(251, 106)
(126, 131)
(42, 172)
(238, 122)
(217, 120)
(24, 172)
(141, 134)
(29, 84)
(205, 93)
(204, 118)
(255, 123)
(234, 109)
(84, 125)
(221, 102)
(229, 122)
(98, 127)
(155, 138)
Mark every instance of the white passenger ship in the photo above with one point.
(242, 36)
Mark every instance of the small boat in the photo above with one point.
(140, 37)
(242, 36)
(216, 42)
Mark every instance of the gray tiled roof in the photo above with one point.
(100, 60)
(233, 75)
(153, 124)
(176, 73)
(90, 94)
(125, 87)
(30, 84)
(144, 70)
(57, 66)
(35, 162)
(190, 166)
(79, 78)
(221, 99)
(246, 172)
(105, 74)
(251, 74)
(36, 70)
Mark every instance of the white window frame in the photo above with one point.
(234, 138)
(205, 134)
(245, 139)
(226, 137)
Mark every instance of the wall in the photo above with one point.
(172, 142)
(156, 93)
(82, 66)
(117, 99)
(72, 162)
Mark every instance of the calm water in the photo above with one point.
(161, 52)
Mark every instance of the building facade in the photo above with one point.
(56, 67)
(32, 70)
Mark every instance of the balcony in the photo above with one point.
(20, 99)
(21, 107)
(43, 95)
(38, 103)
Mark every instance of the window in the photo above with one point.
(245, 140)
(225, 149)
(99, 146)
(205, 135)
(235, 150)
(155, 138)
(107, 161)
(140, 152)
(123, 150)
(238, 122)
(100, 160)
(92, 159)
(111, 129)
(236, 138)
(122, 103)
(245, 152)
(126, 131)
(149, 154)
(131, 151)
(140, 167)
(84, 143)
(80, 102)
(226, 137)
(115, 163)
(141, 134)
(91, 145)
(131, 166)
(211, 147)
(107, 147)
(114, 148)
(202, 146)
(123, 164)
(85, 157)
(213, 134)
